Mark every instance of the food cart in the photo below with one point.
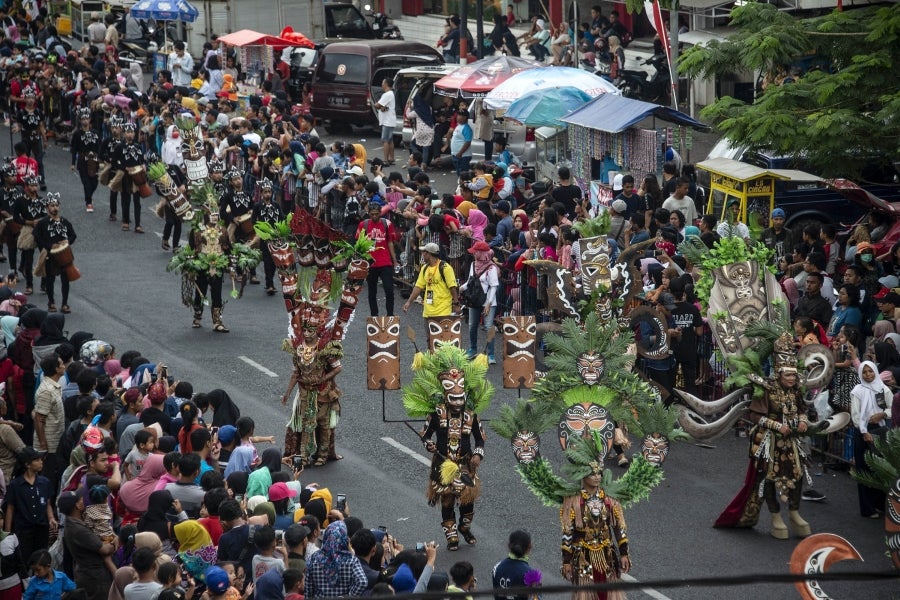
(753, 186)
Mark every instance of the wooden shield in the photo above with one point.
(383, 363)
(444, 330)
(519, 346)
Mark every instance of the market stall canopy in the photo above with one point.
(248, 37)
(741, 171)
(165, 10)
(616, 113)
(542, 78)
(476, 79)
(543, 108)
(298, 39)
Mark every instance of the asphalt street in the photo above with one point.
(126, 297)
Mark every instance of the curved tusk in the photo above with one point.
(816, 554)
(710, 408)
(699, 429)
(833, 423)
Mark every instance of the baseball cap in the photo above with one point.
(217, 580)
(881, 293)
(227, 433)
(28, 454)
(667, 300)
(892, 298)
(778, 213)
(733, 201)
(620, 206)
(617, 182)
(355, 169)
(431, 248)
(280, 491)
(203, 101)
(66, 502)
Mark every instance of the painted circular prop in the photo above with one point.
(655, 344)
(655, 448)
(342, 70)
(818, 365)
(526, 446)
(580, 420)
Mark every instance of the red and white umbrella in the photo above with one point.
(476, 79)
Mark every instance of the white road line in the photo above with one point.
(407, 451)
(158, 234)
(258, 366)
(649, 591)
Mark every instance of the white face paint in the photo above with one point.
(195, 165)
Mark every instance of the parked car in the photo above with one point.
(868, 202)
(348, 76)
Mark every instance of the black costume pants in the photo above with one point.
(870, 499)
(11, 249)
(448, 511)
(113, 202)
(35, 148)
(27, 267)
(771, 496)
(268, 265)
(31, 537)
(89, 184)
(50, 282)
(127, 199)
(211, 284)
(172, 227)
(386, 275)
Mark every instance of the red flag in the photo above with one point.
(654, 12)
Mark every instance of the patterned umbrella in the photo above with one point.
(543, 108)
(165, 10)
(543, 78)
(476, 79)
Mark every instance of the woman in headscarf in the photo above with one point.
(148, 539)
(334, 567)
(135, 494)
(225, 411)
(78, 339)
(29, 330)
(475, 224)
(240, 461)
(886, 356)
(123, 576)
(237, 483)
(486, 275)
(195, 548)
(9, 325)
(267, 509)
(423, 135)
(893, 338)
(14, 304)
(870, 412)
(158, 504)
(260, 480)
(51, 336)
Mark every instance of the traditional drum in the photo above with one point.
(138, 174)
(244, 222)
(61, 253)
(11, 226)
(91, 164)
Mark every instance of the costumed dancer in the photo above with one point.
(453, 390)
(29, 209)
(131, 173)
(55, 235)
(777, 461)
(267, 211)
(85, 150)
(211, 240)
(9, 197)
(30, 122)
(109, 149)
(236, 211)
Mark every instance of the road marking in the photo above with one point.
(649, 591)
(407, 451)
(258, 366)
(158, 234)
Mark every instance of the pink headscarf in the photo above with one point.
(477, 221)
(136, 492)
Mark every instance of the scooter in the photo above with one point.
(658, 88)
(382, 25)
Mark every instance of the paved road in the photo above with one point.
(126, 297)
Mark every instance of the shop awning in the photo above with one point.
(617, 113)
(248, 37)
(741, 171)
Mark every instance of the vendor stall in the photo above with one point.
(256, 52)
(603, 139)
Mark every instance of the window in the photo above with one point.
(344, 68)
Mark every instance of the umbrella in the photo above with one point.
(543, 108)
(165, 10)
(476, 79)
(546, 77)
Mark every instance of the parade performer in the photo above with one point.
(450, 391)
(131, 175)
(55, 235)
(30, 122)
(85, 156)
(267, 211)
(109, 149)
(29, 209)
(777, 460)
(9, 197)
(210, 240)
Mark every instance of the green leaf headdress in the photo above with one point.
(425, 391)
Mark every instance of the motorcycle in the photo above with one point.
(382, 25)
(657, 89)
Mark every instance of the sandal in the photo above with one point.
(51, 307)
(139, 229)
(65, 308)
(467, 535)
(336, 457)
(165, 245)
(320, 462)
(112, 217)
(254, 280)
(270, 291)
(196, 324)
(125, 226)
(29, 291)
(220, 328)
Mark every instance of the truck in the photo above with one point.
(314, 18)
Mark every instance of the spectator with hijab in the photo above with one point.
(237, 484)
(195, 548)
(423, 135)
(225, 411)
(135, 494)
(123, 577)
(51, 336)
(159, 504)
(9, 325)
(334, 570)
(260, 480)
(148, 539)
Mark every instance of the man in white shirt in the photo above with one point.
(679, 200)
(96, 30)
(181, 64)
(732, 226)
(387, 118)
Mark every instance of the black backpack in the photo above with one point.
(475, 296)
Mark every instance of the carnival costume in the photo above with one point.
(449, 390)
(317, 267)
(209, 254)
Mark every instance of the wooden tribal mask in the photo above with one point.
(383, 364)
(580, 420)
(444, 330)
(518, 351)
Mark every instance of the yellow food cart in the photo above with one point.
(753, 186)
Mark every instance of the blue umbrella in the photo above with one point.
(165, 10)
(543, 108)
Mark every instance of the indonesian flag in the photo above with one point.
(654, 13)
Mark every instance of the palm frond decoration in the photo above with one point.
(599, 225)
(524, 416)
(425, 391)
(637, 482)
(550, 489)
(583, 453)
(884, 463)
(280, 230)
(603, 339)
(656, 417)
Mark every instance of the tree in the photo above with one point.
(837, 115)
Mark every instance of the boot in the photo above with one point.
(798, 524)
(779, 529)
(218, 326)
(450, 532)
(198, 317)
(465, 528)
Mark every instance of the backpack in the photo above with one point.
(441, 265)
(475, 296)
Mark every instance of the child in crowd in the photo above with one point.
(46, 584)
(144, 445)
(172, 474)
(98, 517)
(236, 580)
(264, 560)
(169, 575)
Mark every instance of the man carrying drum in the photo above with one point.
(55, 236)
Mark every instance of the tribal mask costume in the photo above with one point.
(519, 345)
(195, 166)
(383, 364)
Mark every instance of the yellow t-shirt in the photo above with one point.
(436, 296)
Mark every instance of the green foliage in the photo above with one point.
(839, 113)
(884, 463)
(425, 392)
(725, 251)
(635, 485)
(653, 417)
(280, 230)
(546, 485)
(599, 225)
(360, 249)
(246, 258)
(156, 171)
(524, 416)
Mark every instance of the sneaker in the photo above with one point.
(90, 208)
(812, 495)
(492, 360)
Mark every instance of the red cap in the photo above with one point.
(280, 491)
(881, 293)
